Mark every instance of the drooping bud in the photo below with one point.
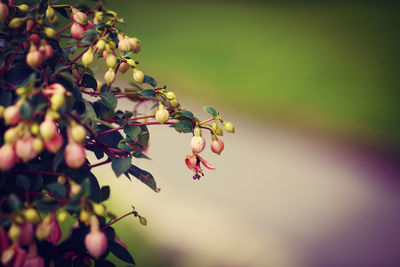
(50, 12)
(84, 217)
(217, 145)
(131, 62)
(123, 67)
(74, 188)
(62, 216)
(174, 103)
(100, 44)
(48, 128)
(8, 157)
(78, 133)
(138, 76)
(77, 30)
(38, 145)
(54, 20)
(75, 155)
(170, 95)
(219, 132)
(99, 209)
(54, 144)
(109, 77)
(124, 44)
(33, 259)
(55, 233)
(15, 23)
(50, 32)
(34, 38)
(111, 60)
(79, 17)
(24, 148)
(12, 115)
(32, 215)
(88, 57)
(44, 228)
(3, 12)
(13, 256)
(57, 101)
(48, 51)
(198, 142)
(228, 126)
(61, 179)
(23, 8)
(14, 232)
(135, 45)
(162, 114)
(95, 241)
(34, 58)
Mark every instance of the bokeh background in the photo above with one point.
(311, 176)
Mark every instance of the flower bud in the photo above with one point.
(61, 179)
(197, 144)
(14, 232)
(228, 126)
(48, 129)
(78, 133)
(79, 17)
(34, 38)
(11, 135)
(123, 67)
(50, 12)
(95, 241)
(11, 115)
(38, 145)
(8, 157)
(217, 145)
(197, 131)
(75, 189)
(15, 23)
(2, 108)
(109, 77)
(131, 62)
(32, 215)
(29, 25)
(88, 57)
(75, 155)
(219, 132)
(55, 233)
(124, 44)
(216, 129)
(57, 101)
(111, 60)
(138, 76)
(88, 25)
(54, 20)
(54, 88)
(34, 58)
(162, 114)
(135, 45)
(54, 144)
(48, 51)
(24, 148)
(49, 32)
(62, 216)
(174, 103)
(100, 44)
(13, 256)
(44, 228)
(23, 8)
(84, 217)
(27, 233)
(99, 16)
(3, 12)
(77, 30)
(170, 95)
(99, 209)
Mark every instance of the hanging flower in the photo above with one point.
(193, 163)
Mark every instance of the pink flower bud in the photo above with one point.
(24, 148)
(123, 67)
(217, 145)
(197, 144)
(27, 232)
(95, 241)
(135, 45)
(34, 38)
(89, 25)
(55, 233)
(54, 144)
(79, 17)
(75, 155)
(48, 129)
(11, 115)
(124, 44)
(33, 259)
(3, 12)
(34, 58)
(54, 88)
(77, 30)
(8, 157)
(4, 242)
(47, 51)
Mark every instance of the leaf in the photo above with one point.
(105, 192)
(103, 263)
(132, 131)
(58, 158)
(120, 165)
(79, 107)
(149, 80)
(148, 93)
(62, 11)
(210, 111)
(86, 187)
(23, 182)
(187, 113)
(57, 189)
(73, 206)
(89, 82)
(17, 76)
(109, 100)
(140, 155)
(122, 145)
(47, 206)
(67, 80)
(89, 110)
(120, 252)
(13, 203)
(43, 7)
(145, 177)
(25, 111)
(184, 126)
(111, 139)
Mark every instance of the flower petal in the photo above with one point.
(206, 164)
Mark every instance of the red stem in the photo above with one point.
(203, 122)
(63, 29)
(120, 218)
(12, 56)
(99, 164)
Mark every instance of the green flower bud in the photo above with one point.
(61, 179)
(88, 57)
(57, 101)
(131, 62)
(228, 126)
(37, 145)
(50, 32)
(2, 111)
(62, 216)
(99, 209)
(32, 215)
(15, 23)
(109, 77)
(174, 103)
(101, 44)
(138, 76)
(219, 132)
(23, 8)
(142, 220)
(14, 232)
(50, 12)
(162, 114)
(170, 95)
(111, 60)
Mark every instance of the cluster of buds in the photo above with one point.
(128, 44)
(75, 154)
(80, 24)
(172, 99)
(35, 56)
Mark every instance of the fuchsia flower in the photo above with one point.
(95, 241)
(193, 163)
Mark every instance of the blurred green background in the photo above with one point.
(330, 66)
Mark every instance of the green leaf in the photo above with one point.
(105, 192)
(13, 203)
(210, 111)
(122, 145)
(89, 110)
(109, 100)
(150, 80)
(187, 113)
(86, 187)
(120, 165)
(47, 206)
(73, 206)
(25, 111)
(120, 252)
(184, 126)
(43, 7)
(132, 131)
(140, 155)
(148, 93)
(89, 82)
(23, 182)
(145, 177)
(57, 189)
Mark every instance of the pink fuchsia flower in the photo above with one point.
(33, 259)
(193, 163)
(55, 233)
(217, 145)
(95, 241)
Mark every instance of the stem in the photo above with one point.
(120, 218)
(63, 29)
(203, 122)
(12, 56)
(99, 164)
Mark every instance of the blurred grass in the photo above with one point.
(331, 66)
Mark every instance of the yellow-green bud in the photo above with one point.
(197, 131)
(228, 126)
(99, 209)
(162, 114)
(23, 8)
(84, 217)
(15, 23)
(14, 232)
(43, 230)
(170, 95)
(78, 133)
(88, 57)
(174, 103)
(32, 215)
(11, 135)
(101, 44)
(111, 60)
(37, 145)
(61, 179)
(138, 76)
(109, 77)
(219, 132)
(131, 62)
(50, 32)
(142, 220)
(57, 101)
(21, 91)
(75, 188)
(99, 15)
(54, 20)
(2, 111)
(50, 12)
(62, 216)
(34, 129)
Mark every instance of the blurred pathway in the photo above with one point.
(277, 198)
